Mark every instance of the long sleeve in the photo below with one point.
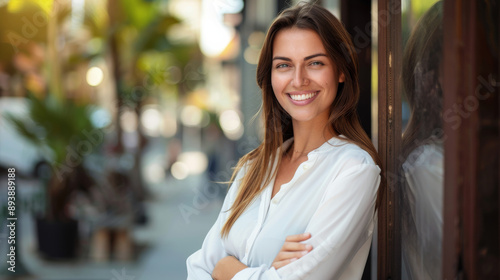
(201, 263)
(341, 230)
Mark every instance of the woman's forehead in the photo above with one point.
(297, 42)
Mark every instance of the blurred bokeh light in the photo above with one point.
(231, 124)
(95, 76)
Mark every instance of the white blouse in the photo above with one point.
(331, 195)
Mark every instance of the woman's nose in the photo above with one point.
(300, 78)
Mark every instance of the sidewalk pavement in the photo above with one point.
(181, 223)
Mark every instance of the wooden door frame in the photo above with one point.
(389, 136)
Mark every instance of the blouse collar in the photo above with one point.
(333, 142)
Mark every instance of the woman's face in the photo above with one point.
(303, 77)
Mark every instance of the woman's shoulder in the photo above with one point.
(344, 154)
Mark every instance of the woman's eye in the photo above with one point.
(281, 66)
(314, 63)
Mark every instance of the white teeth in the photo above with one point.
(300, 97)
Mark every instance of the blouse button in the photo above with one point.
(306, 166)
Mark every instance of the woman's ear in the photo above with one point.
(341, 78)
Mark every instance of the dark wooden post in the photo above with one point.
(389, 135)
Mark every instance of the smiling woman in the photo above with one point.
(302, 204)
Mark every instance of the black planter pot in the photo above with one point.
(57, 239)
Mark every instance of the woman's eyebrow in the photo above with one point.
(314, 55)
(305, 58)
(281, 58)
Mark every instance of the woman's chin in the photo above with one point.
(307, 118)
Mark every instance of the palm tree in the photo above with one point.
(138, 30)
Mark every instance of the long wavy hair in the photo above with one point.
(277, 122)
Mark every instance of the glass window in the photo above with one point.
(421, 194)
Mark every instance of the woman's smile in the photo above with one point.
(303, 97)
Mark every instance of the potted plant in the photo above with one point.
(63, 129)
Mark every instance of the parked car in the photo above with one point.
(15, 150)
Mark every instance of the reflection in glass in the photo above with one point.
(422, 167)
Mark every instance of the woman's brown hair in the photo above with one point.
(278, 124)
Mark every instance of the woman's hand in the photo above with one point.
(226, 268)
(292, 250)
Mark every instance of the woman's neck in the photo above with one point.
(308, 137)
